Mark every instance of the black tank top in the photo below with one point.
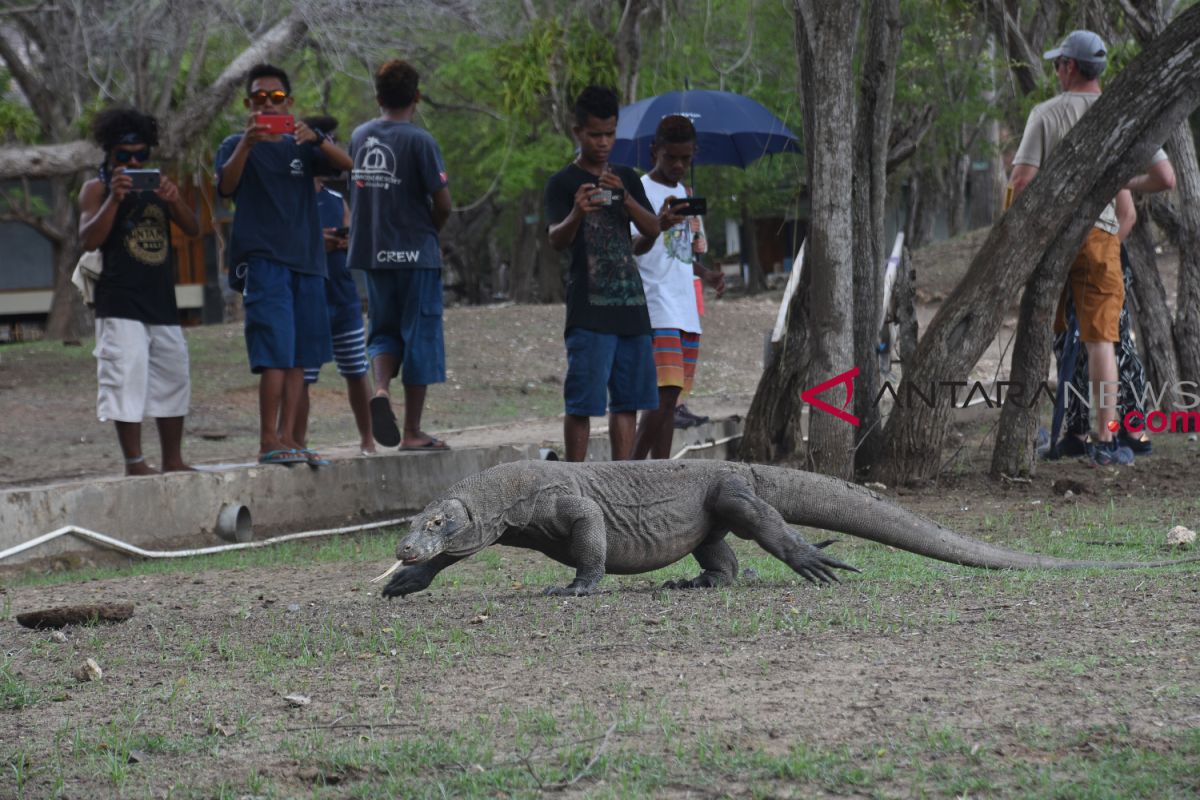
(138, 280)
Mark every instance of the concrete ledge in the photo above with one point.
(181, 509)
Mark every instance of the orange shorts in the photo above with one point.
(1098, 287)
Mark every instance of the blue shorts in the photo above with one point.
(404, 307)
(287, 322)
(604, 366)
(346, 325)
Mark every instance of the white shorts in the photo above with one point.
(142, 370)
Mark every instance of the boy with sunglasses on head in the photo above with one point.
(141, 355)
(276, 254)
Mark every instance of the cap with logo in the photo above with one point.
(1081, 46)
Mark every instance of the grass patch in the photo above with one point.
(15, 693)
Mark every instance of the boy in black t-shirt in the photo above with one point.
(589, 205)
(141, 354)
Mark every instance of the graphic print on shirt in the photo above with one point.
(147, 241)
(375, 166)
(613, 278)
(678, 242)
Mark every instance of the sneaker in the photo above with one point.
(696, 419)
(1109, 454)
(1140, 445)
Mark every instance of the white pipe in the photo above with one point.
(793, 282)
(706, 445)
(134, 550)
(890, 270)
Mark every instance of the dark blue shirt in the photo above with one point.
(330, 209)
(397, 169)
(276, 207)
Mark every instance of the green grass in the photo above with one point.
(15, 692)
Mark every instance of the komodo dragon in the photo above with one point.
(637, 516)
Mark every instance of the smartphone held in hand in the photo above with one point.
(144, 180)
(276, 123)
(608, 196)
(689, 206)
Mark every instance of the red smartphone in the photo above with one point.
(276, 123)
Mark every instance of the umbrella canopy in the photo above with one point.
(730, 129)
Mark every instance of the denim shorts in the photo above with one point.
(605, 366)
(287, 319)
(404, 310)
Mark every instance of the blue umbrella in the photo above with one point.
(730, 129)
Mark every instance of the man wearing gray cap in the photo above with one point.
(1095, 283)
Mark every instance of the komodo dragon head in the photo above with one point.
(444, 526)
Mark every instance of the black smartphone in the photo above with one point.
(690, 206)
(144, 180)
(343, 232)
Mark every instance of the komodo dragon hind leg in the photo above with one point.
(748, 516)
(719, 565)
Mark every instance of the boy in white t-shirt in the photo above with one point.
(668, 266)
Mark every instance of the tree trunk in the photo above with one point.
(1181, 148)
(629, 47)
(1153, 315)
(755, 281)
(826, 34)
(773, 431)
(69, 318)
(1048, 222)
(905, 304)
(874, 122)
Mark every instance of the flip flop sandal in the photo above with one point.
(313, 459)
(383, 422)
(281, 457)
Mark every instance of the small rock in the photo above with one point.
(293, 606)
(875, 486)
(88, 671)
(749, 575)
(298, 700)
(1181, 537)
(479, 619)
(136, 757)
(59, 636)
(1068, 494)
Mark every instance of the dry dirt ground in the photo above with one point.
(913, 679)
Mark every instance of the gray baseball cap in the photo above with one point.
(1081, 46)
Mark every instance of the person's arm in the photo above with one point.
(229, 174)
(336, 156)
(98, 211)
(181, 213)
(1022, 176)
(562, 233)
(442, 207)
(666, 220)
(1159, 178)
(1126, 213)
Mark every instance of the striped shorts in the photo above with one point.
(349, 343)
(675, 356)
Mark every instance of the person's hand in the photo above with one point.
(167, 191)
(610, 180)
(583, 198)
(333, 241)
(714, 279)
(667, 218)
(255, 133)
(120, 185)
(304, 134)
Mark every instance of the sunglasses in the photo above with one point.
(1060, 61)
(262, 97)
(125, 156)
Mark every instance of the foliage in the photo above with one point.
(17, 123)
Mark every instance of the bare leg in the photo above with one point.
(656, 431)
(358, 388)
(270, 398)
(170, 436)
(414, 405)
(129, 436)
(299, 433)
(621, 426)
(1102, 371)
(289, 413)
(385, 367)
(576, 430)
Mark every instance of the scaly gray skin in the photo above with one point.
(637, 516)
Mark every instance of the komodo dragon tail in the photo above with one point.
(819, 501)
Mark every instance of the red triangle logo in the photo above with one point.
(810, 396)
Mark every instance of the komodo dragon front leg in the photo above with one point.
(577, 525)
(734, 504)
(718, 562)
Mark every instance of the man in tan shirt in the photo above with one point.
(1094, 282)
